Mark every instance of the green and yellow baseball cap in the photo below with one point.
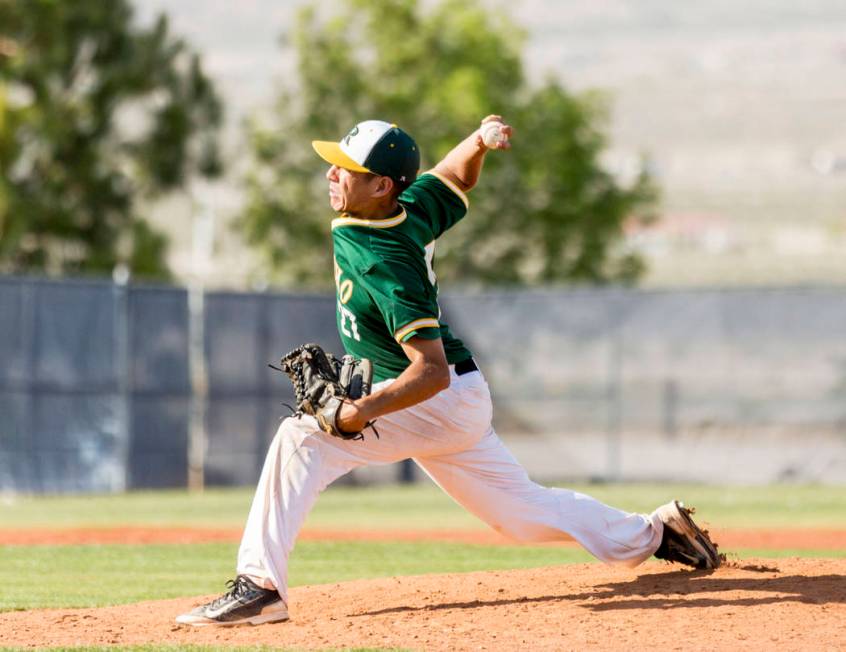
(374, 146)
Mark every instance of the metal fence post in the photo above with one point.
(123, 368)
(614, 392)
(199, 388)
(30, 325)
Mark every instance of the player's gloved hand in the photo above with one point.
(322, 384)
(349, 417)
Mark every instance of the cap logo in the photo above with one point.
(353, 133)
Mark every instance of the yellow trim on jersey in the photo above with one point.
(449, 184)
(428, 322)
(373, 224)
(345, 290)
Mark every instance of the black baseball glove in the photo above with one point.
(322, 383)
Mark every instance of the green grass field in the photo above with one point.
(420, 506)
(79, 575)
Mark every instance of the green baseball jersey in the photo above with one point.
(386, 288)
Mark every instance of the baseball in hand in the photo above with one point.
(492, 134)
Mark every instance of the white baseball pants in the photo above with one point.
(451, 438)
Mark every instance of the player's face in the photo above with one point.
(351, 192)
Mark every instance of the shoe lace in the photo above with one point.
(237, 588)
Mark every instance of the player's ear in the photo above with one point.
(385, 187)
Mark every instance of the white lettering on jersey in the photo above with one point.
(430, 256)
(345, 287)
(346, 315)
(337, 272)
(345, 290)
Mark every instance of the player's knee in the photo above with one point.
(291, 436)
(291, 428)
(507, 530)
(523, 532)
(517, 535)
(286, 427)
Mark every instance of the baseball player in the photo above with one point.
(429, 396)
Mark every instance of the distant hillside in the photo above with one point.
(740, 107)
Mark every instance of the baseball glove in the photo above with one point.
(322, 383)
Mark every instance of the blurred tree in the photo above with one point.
(95, 115)
(546, 211)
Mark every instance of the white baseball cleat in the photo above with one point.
(245, 603)
(685, 542)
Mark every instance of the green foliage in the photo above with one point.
(96, 114)
(545, 211)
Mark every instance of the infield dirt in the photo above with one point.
(754, 604)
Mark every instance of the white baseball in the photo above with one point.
(492, 134)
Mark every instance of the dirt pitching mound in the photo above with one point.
(785, 604)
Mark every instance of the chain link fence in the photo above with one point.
(97, 387)
(740, 385)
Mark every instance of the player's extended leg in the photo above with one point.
(490, 483)
(303, 460)
(300, 462)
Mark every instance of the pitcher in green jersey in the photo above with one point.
(430, 399)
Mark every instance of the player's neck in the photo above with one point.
(377, 211)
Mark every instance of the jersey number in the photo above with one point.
(346, 315)
(430, 255)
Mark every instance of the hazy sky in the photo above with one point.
(606, 43)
